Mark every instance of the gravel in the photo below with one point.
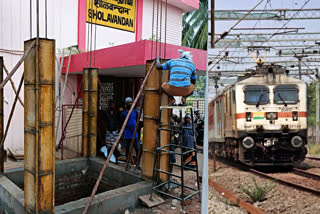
(280, 199)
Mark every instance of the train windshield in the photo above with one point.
(256, 94)
(286, 94)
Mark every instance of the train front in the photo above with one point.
(271, 118)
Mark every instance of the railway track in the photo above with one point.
(313, 158)
(297, 178)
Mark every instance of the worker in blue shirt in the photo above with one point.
(129, 129)
(182, 76)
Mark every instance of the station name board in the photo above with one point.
(119, 14)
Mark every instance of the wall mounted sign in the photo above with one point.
(119, 14)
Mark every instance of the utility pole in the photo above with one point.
(212, 23)
(317, 111)
(300, 57)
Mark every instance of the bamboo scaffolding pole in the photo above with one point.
(117, 141)
(62, 96)
(69, 118)
(11, 112)
(134, 137)
(4, 82)
(12, 84)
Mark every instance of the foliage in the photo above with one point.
(199, 90)
(195, 27)
(314, 149)
(153, 38)
(311, 104)
(257, 192)
(66, 51)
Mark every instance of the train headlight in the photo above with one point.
(297, 141)
(272, 115)
(248, 142)
(295, 116)
(248, 116)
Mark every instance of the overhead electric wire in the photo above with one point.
(228, 31)
(283, 25)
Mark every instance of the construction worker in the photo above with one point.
(188, 141)
(130, 127)
(182, 76)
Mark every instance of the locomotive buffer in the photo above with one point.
(178, 149)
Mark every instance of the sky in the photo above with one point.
(222, 26)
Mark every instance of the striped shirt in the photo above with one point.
(182, 71)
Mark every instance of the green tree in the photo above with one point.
(311, 104)
(195, 27)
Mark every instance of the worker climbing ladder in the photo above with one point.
(159, 186)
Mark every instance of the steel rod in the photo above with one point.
(38, 18)
(11, 112)
(117, 141)
(30, 19)
(2, 154)
(134, 137)
(12, 84)
(46, 17)
(17, 66)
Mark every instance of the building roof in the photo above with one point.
(129, 60)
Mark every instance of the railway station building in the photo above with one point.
(118, 47)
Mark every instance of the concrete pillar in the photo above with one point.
(93, 111)
(1, 118)
(39, 115)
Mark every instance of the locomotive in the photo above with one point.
(260, 120)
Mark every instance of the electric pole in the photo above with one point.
(212, 23)
(317, 110)
(300, 57)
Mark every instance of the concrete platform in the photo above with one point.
(75, 178)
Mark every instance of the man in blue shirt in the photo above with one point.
(129, 129)
(182, 76)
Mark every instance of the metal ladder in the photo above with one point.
(171, 150)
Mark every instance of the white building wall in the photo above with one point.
(62, 25)
(174, 22)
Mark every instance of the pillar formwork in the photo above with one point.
(89, 112)
(165, 135)
(1, 118)
(151, 111)
(85, 109)
(153, 98)
(39, 137)
(93, 111)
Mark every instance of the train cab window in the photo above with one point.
(256, 95)
(286, 94)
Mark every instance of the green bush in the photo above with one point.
(257, 192)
